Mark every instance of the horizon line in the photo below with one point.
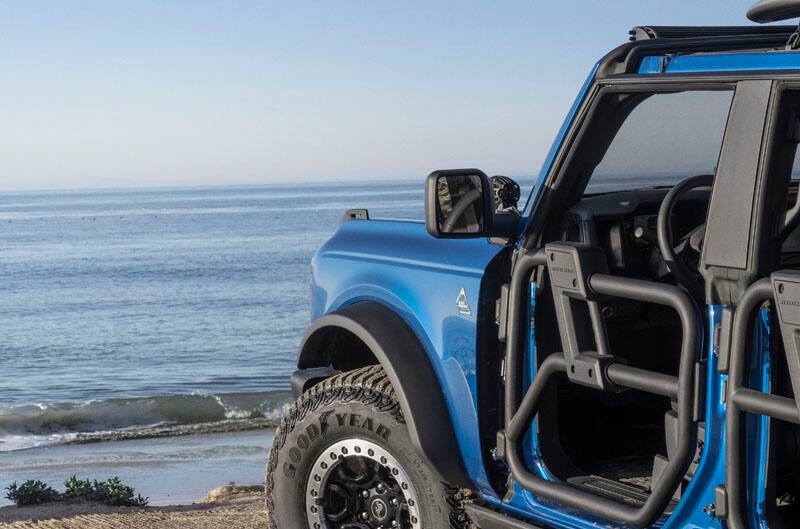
(111, 188)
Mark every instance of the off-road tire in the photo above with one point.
(358, 404)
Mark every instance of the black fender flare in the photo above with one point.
(408, 366)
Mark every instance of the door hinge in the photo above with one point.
(499, 452)
(719, 509)
(722, 340)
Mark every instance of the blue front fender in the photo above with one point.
(397, 264)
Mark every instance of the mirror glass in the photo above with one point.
(460, 203)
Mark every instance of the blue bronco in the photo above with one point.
(622, 351)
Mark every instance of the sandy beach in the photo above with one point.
(241, 508)
(175, 473)
(169, 471)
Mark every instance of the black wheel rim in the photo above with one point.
(356, 484)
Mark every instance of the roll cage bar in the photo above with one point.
(587, 280)
(781, 288)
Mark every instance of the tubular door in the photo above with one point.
(783, 289)
(578, 275)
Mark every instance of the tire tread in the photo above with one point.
(368, 385)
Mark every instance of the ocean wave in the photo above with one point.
(36, 425)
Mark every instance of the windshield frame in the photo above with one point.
(561, 185)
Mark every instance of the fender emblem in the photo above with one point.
(463, 304)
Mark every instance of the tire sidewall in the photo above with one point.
(310, 436)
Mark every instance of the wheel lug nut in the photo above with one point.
(381, 488)
(394, 502)
(364, 516)
(365, 494)
(394, 523)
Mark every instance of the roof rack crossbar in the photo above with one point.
(639, 33)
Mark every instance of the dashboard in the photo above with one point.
(624, 225)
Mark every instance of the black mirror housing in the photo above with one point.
(459, 204)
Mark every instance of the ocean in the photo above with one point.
(152, 312)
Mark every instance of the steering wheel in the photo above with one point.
(690, 246)
(460, 208)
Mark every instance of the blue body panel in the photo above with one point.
(758, 443)
(721, 62)
(398, 264)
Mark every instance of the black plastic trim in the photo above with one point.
(303, 379)
(739, 230)
(396, 347)
(684, 32)
(627, 58)
(727, 242)
(486, 518)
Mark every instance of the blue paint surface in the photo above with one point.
(398, 264)
(758, 443)
(721, 62)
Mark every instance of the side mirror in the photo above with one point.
(459, 203)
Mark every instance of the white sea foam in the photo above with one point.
(96, 420)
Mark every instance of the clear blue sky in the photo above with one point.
(140, 93)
